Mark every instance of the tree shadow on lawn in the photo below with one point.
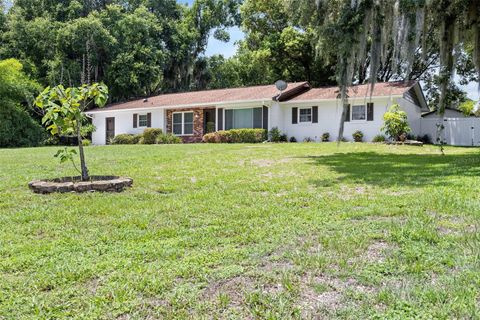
(387, 170)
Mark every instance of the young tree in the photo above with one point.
(395, 123)
(64, 114)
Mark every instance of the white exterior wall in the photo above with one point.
(124, 123)
(414, 114)
(329, 113)
(280, 115)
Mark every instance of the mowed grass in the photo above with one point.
(272, 231)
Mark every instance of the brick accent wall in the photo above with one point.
(197, 123)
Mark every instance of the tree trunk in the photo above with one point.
(344, 101)
(83, 165)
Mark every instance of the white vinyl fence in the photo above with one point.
(457, 132)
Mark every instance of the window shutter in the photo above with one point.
(347, 116)
(370, 111)
(220, 119)
(135, 121)
(149, 120)
(314, 114)
(265, 118)
(294, 115)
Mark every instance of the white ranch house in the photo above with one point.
(300, 111)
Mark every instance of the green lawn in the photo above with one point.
(245, 231)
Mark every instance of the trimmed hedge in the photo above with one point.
(124, 139)
(236, 136)
(168, 138)
(150, 135)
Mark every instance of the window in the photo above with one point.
(142, 120)
(358, 113)
(183, 123)
(243, 118)
(305, 115)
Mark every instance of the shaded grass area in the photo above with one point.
(245, 231)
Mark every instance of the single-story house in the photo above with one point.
(299, 111)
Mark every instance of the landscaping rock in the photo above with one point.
(69, 184)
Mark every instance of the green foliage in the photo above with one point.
(467, 107)
(136, 47)
(17, 127)
(150, 135)
(64, 112)
(325, 137)
(236, 136)
(275, 135)
(357, 136)
(292, 139)
(86, 142)
(124, 138)
(395, 123)
(379, 138)
(168, 138)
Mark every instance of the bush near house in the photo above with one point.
(124, 139)
(396, 123)
(236, 136)
(276, 135)
(147, 136)
(325, 137)
(150, 135)
(168, 138)
(357, 136)
(379, 138)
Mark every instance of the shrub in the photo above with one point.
(275, 135)
(293, 139)
(379, 138)
(168, 138)
(236, 136)
(213, 137)
(86, 142)
(284, 138)
(150, 135)
(17, 128)
(123, 139)
(357, 136)
(425, 139)
(325, 137)
(411, 136)
(137, 138)
(307, 139)
(395, 123)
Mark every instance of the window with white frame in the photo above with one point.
(142, 120)
(305, 114)
(182, 123)
(359, 112)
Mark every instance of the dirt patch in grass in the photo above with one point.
(234, 288)
(324, 292)
(377, 251)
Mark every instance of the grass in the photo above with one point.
(245, 231)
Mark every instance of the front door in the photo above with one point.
(110, 129)
(208, 121)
